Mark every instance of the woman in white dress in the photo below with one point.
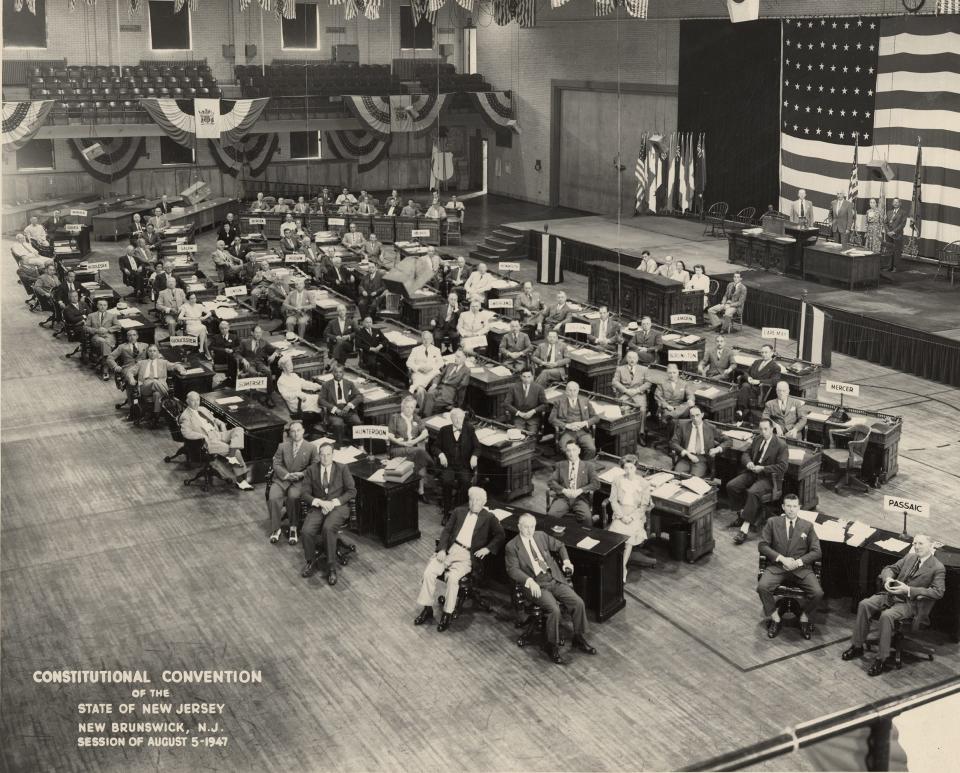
(630, 501)
(699, 282)
(678, 271)
(192, 314)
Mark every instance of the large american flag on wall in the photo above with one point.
(885, 82)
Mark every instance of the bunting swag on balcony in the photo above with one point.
(113, 160)
(366, 147)
(256, 151)
(415, 113)
(371, 112)
(228, 119)
(21, 120)
(496, 107)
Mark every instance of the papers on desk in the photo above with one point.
(611, 474)
(127, 312)
(587, 543)
(689, 339)
(295, 352)
(607, 411)
(90, 285)
(685, 497)
(347, 455)
(280, 344)
(697, 485)
(807, 515)
(501, 370)
(552, 393)
(437, 421)
(489, 436)
(232, 400)
(128, 323)
(743, 359)
(856, 253)
(670, 337)
(667, 490)
(424, 292)
(858, 532)
(500, 326)
(893, 545)
(796, 454)
(592, 315)
(787, 239)
(752, 231)
(589, 354)
(378, 477)
(658, 479)
(501, 513)
(326, 303)
(323, 377)
(377, 393)
(477, 371)
(575, 306)
(830, 531)
(503, 284)
(323, 442)
(473, 342)
(193, 371)
(738, 434)
(818, 415)
(709, 392)
(398, 338)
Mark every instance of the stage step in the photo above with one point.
(516, 233)
(503, 243)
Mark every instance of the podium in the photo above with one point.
(805, 235)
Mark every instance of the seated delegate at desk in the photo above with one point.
(515, 348)
(408, 439)
(342, 400)
(353, 239)
(159, 220)
(526, 402)
(292, 457)
(788, 414)
(327, 489)
(151, 377)
(169, 301)
(134, 271)
(718, 360)
(446, 323)
(125, 360)
(345, 197)
(674, 397)
(457, 447)
(449, 388)
(647, 264)
(424, 363)
(474, 323)
(289, 226)
(301, 207)
(572, 484)
(289, 243)
(410, 210)
(436, 210)
(254, 358)
(229, 230)
(605, 332)
(765, 464)
(630, 385)
(301, 395)
(733, 301)
(694, 442)
(339, 335)
(260, 204)
(370, 287)
(228, 266)
(557, 314)
(298, 308)
(529, 562)
(644, 340)
(699, 282)
(366, 206)
(758, 381)
(572, 417)
(101, 326)
(192, 316)
(339, 279)
(551, 358)
(457, 206)
(36, 233)
(223, 344)
(24, 251)
(479, 283)
(530, 306)
(393, 203)
(910, 588)
(470, 535)
(369, 342)
(281, 207)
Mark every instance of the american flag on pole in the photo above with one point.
(640, 173)
(853, 189)
(917, 206)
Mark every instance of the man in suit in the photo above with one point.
(674, 397)
(259, 204)
(338, 278)
(791, 547)
(393, 203)
(572, 417)
(457, 447)
(229, 230)
(759, 380)
(370, 288)
(449, 388)
(410, 210)
(573, 483)
(228, 265)
(151, 377)
(169, 301)
(370, 343)
(327, 489)
(158, 220)
(718, 361)
(551, 358)
(342, 400)
(893, 230)
(605, 332)
(468, 537)
(474, 323)
(765, 464)
(165, 206)
(132, 271)
(788, 414)
(526, 402)
(424, 362)
(801, 209)
(125, 359)
(557, 314)
(515, 348)
(339, 334)
(734, 298)
(843, 219)
(911, 586)
(694, 442)
(630, 385)
(297, 308)
(445, 324)
(529, 561)
(457, 274)
(301, 207)
(353, 239)
(479, 283)
(101, 327)
(291, 459)
(254, 358)
(530, 306)
(223, 345)
(138, 229)
(198, 423)
(346, 197)
(646, 341)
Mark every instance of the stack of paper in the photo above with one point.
(796, 454)
(592, 315)
(437, 421)
(697, 485)
(752, 231)
(90, 285)
(399, 339)
(501, 514)
(893, 545)
(377, 393)
(128, 323)
(709, 392)
(502, 284)
(689, 339)
(830, 531)
(743, 359)
(196, 287)
(193, 371)
(858, 532)
(296, 352)
(667, 490)
(501, 370)
(671, 337)
(552, 393)
(377, 477)
(738, 434)
(658, 479)
(807, 515)
(818, 415)
(500, 326)
(607, 411)
(347, 455)
(685, 497)
(232, 400)
(492, 437)
(587, 543)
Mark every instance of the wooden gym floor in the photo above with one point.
(107, 561)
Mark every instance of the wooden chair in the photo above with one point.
(788, 594)
(844, 451)
(453, 228)
(948, 260)
(746, 215)
(716, 219)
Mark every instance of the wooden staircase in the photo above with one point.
(503, 243)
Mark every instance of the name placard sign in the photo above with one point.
(98, 265)
(683, 319)
(370, 432)
(78, 212)
(893, 504)
(682, 355)
(247, 384)
(186, 248)
(420, 233)
(778, 333)
(295, 257)
(505, 265)
(257, 221)
(500, 303)
(182, 340)
(336, 221)
(73, 228)
(577, 327)
(233, 292)
(840, 388)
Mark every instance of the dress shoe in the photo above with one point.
(806, 629)
(309, 569)
(293, 539)
(641, 442)
(739, 538)
(773, 628)
(736, 523)
(275, 537)
(425, 614)
(583, 645)
(443, 521)
(877, 668)
(852, 652)
(553, 652)
(645, 561)
(444, 623)
(332, 577)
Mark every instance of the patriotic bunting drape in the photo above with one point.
(31, 6)
(383, 116)
(372, 112)
(523, 12)
(21, 120)
(256, 151)
(635, 8)
(176, 118)
(670, 172)
(113, 160)
(367, 148)
(496, 108)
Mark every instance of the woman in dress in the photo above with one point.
(678, 272)
(408, 438)
(630, 501)
(192, 314)
(874, 240)
(699, 282)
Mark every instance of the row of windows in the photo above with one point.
(38, 155)
(170, 31)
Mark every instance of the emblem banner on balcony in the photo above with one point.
(180, 120)
(255, 151)
(21, 120)
(371, 112)
(366, 147)
(113, 160)
(414, 113)
(496, 108)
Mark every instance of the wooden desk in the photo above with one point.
(145, 327)
(802, 376)
(633, 294)
(325, 303)
(400, 342)
(418, 310)
(826, 263)
(200, 377)
(391, 511)
(489, 383)
(683, 510)
(615, 434)
(309, 361)
(262, 426)
(206, 214)
(114, 223)
(880, 458)
(81, 239)
(767, 251)
(717, 399)
(591, 367)
(100, 289)
(597, 571)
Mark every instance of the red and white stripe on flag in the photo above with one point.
(551, 253)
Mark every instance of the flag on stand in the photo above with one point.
(701, 172)
(653, 170)
(915, 209)
(640, 173)
(853, 189)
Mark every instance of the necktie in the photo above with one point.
(135, 350)
(573, 476)
(152, 369)
(631, 373)
(537, 556)
(913, 572)
(789, 529)
(550, 354)
(526, 392)
(698, 440)
(324, 478)
(801, 209)
(296, 449)
(340, 392)
(763, 450)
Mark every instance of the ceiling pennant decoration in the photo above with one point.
(178, 120)
(21, 120)
(367, 148)
(107, 159)
(371, 9)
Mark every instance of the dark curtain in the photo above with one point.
(730, 89)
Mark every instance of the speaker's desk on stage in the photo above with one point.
(828, 263)
(757, 248)
(597, 570)
(262, 426)
(618, 425)
(631, 293)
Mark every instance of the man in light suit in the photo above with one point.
(801, 209)
(788, 414)
(151, 376)
(765, 464)
(573, 483)
(674, 397)
(169, 301)
(733, 301)
(327, 489)
(572, 417)
(718, 361)
(515, 348)
(843, 219)
(125, 359)
(893, 230)
(197, 423)
(339, 335)
(530, 306)
(557, 314)
(645, 341)
(449, 388)
(424, 363)
(469, 536)
(342, 400)
(630, 385)
(530, 563)
(457, 447)
(791, 547)
(695, 442)
(475, 322)
(158, 220)
(551, 358)
(526, 402)
(297, 308)
(911, 586)
(605, 332)
(479, 283)
(101, 326)
(292, 457)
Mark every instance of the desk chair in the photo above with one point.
(50, 306)
(453, 229)
(528, 615)
(746, 215)
(948, 260)
(468, 588)
(458, 495)
(345, 550)
(844, 451)
(77, 334)
(903, 644)
(193, 450)
(788, 594)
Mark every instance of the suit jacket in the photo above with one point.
(542, 352)
(220, 343)
(652, 340)
(563, 414)
(398, 427)
(130, 263)
(846, 218)
(623, 381)
(926, 587)
(334, 329)
(263, 352)
(458, 452)
(441, 323)
(109, 320)
(451, 384)
(895, 221)
(673, 395)
(796, 214)
(193, 427)
(371, 340)
(529, 307)
(613, 332)
(735, 295)
(372, 283)
(587, 479)
(171, 299)
(681, 436)
(341, 285)
(714, 364)
(803, 544)
(555, 317)
(228, 232)
(535, 400)
(340, 486)
(72, 315)
(158, 223)
(774, 462)
(285, 461)
(795, 413)
(160, 367)
(457, 275)
(517, 561)
(298, 302)
(487, 533)
(124, 357)
(519, 344)
(328, 394)
(766, 373)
